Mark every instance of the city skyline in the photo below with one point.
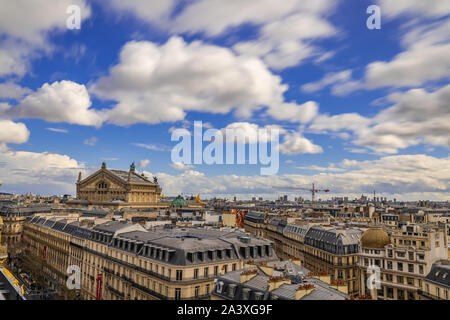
(358, 109)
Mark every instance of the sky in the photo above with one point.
(358, 109)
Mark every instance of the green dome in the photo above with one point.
(179, 202)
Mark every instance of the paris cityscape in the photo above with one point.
(214, 150)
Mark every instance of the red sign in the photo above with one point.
(99, 286)
(44, 253)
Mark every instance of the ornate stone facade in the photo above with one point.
(118, 189)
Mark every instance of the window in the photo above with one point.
(234, 267)
(225, 268)
(195, 273)
(438, 292)
(216, 270)
(205, 272)
(177, 293)
(197, 291)
(400, 266)
(179, 275)
(207, 289)
(421, 269)
(410, 268)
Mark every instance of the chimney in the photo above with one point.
(303, 290)
(248, 274)
(276, 282)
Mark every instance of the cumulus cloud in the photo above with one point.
(297, 144)
(286, 29)
(11, 132)
(293, 112)
(409, 177)
(24, 28)
(160, 83)
(144, 163)
(64, 101)
(11, 90)
(43, 173)
(416, 116)
(246, 132)
(287, 43)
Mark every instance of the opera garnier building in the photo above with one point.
(117, 189)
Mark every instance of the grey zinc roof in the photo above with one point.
(259, 283)
(124, 176)
(112, 226)
(439, 274)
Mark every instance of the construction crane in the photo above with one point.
(313, 190)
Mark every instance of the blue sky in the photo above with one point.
(359, 109)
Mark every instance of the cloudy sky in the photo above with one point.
(358, 109)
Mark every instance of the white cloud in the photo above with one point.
(64, 101)
(11, 90)
(151, 11)
(341, 83)
(287, 42)
(24, 28)
(215, 17)
(297, 144)
(250, 133)
(328, 79)
(293, 112)
(322, 169)
(346, 121)
(160, 83)
(144, 163)
(286, 29)
(181, 166)
(57, 130)
(406, 176)
(43, 173)
(91, 141)
(431, 8)
(11, 132)
(416, 116)
(151, 146)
